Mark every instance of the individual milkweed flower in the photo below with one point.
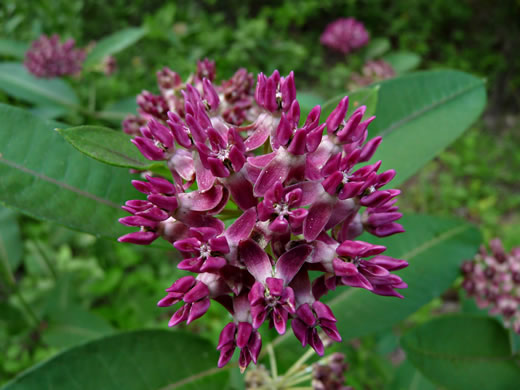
(493, 280)
(294, 208)
(345, 35)
(49, 58)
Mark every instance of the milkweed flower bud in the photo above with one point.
(345, 35)
(493, 280)
(297, 207)
(372, 71)
(49, 58)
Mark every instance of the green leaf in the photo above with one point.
(113, 44)
(16, 81)
(146, 359)
(376, 48)
(420, 114)
(74, 326)
(463, 352)
(11, 246)
(118, 111)
(308, 101)
(361, 97)
(408, 378)
(434, 247)
(106, 145)
(49, 112)
(11, 48)
(403, 61)
(45, 177)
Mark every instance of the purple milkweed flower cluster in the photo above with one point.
(236, 98)
(48, 58)
(372, 71)
(345, 35)
(331, 374)
(299, 199)
(493, 280)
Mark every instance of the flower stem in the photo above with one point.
(272, 361)
(297, 365)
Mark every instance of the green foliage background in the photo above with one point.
(105, 286)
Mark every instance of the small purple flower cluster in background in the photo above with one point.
(331, 374)
(493, 279)
(48, 58)
(294, 190)
(345, 35)
(371, 72)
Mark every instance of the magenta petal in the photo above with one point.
(259, 314)
(357, 281)
(262, 160)
(213, 264)
(389, 263)
(330, 330)
(300, 330)
(255, 259)
(180, 315)
(140, 238)
(279, 225)
(316, 343)
(343, 268)
(306, 314)
(198, 309)
(276, 171)
(204, 177)
(275, 286)
(254, 346)
(291, 261)
(191, 264)
(337, 115)
(202, 201)
(242, 227)
(279, 316)
(241, 190)
(225, 355)
(319, 215)
(298, 143)
(243, 333)
(227, 335)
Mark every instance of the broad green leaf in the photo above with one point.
(407, 377)
(45, 177)
(11, 48)
(420, 114)
(434, 247)
(15, 80)
(11, 246)
(74, 326)
(308, 101)
(376, 48)
(118, 111)
(463, 352)
(146, 359)
(362, 97)
(403, 61)
(113, 44)
(106, 145)
(49, 112)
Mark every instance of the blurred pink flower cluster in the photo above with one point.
(345, 35)
(493, 279)
(48, 58)
(295, 193)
